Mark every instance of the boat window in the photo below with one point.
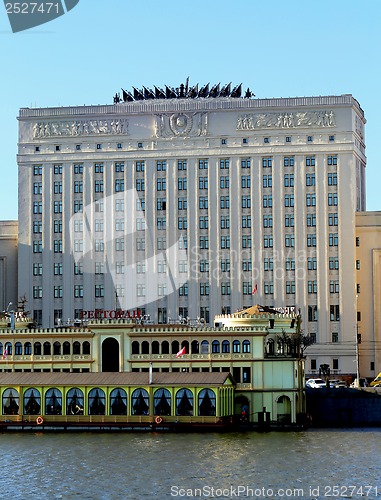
(184, 402)
(140, 402)
(10, 402)
(32, 402)
(207, 403)
(118, 402)
(74, 402)
(162, 402)
(97, 402)
(53, 402)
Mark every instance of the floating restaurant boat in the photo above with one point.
(120, 374)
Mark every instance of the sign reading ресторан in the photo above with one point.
(110, 314)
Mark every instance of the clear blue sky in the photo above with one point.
(275, 47)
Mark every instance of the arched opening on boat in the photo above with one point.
(110, 355)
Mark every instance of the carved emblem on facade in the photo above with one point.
(181, 125)
(287, 120)
(80, 127)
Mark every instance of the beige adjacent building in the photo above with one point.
(195, 206)
(8, 265)
(368, 291)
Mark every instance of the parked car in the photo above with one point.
(340, 383)
(376, 381)
(315, 383)
(363, 383)
(334, 382)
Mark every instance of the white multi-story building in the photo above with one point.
(193, 206)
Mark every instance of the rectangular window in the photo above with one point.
(98, 168)
(267, 162)
(245, 181)
(245, 162)
(267, 181)
(312, 313)
(312, 263)
(334, 312)
(333, 263)
(224, 202)
(203, 182)
(310, 179)
(98, 186)
(139, 166)
(332, 179)
(161, 184)
(311, 240)
(288, 161)
(119, 185)
(203, 202)
(246, 201)
(290, 240)
(268, 220)
(161, 165)
(289, 200)
(224, 182)
(224, 163)
(312, 287)
(181, 164)
(37, 269)
(37, 169)
(203, 164)
(332, 199)
(203, 222)
(182, 183)
(332, 160)
(311, 220)
(57, 169)
(119, 167)
(333, 239)
(310, 161)
(288, 180)
(267, 201)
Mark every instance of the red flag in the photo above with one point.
(5, 354)
(181, 352)
(255, 289)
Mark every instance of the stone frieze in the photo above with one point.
(286, 120)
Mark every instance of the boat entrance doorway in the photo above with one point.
(110, 355)
(242, 409)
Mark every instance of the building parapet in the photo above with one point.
(189, 105)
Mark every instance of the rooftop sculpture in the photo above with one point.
(184, 91)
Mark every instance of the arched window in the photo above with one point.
(97, 402)
(155, 347)
(270, 346)
(8, 349)
(145, 347)
(76, 347)
(175, 347)
(57, 349)
(135, 348)
(140, 402)
(66, 348)
(32, 402)
(184, 403)
(165, 347)
(204, 347)
(47, 349)
(162, 402)
(37, 348)
(207, 403)
(236, 346)
(86, 347)
(1, 348)
(194, 347)
(225, 346)
(74, 402)
(10, 402)
(215, 346)
(27, 348)
(246, 346)
(18, 348)
(118, 402)
(53, 402)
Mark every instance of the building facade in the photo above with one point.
(368, 291)
(190, 206)
(8, 265)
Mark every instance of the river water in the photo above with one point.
(306, 464)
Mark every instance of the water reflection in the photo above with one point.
(147, 465)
